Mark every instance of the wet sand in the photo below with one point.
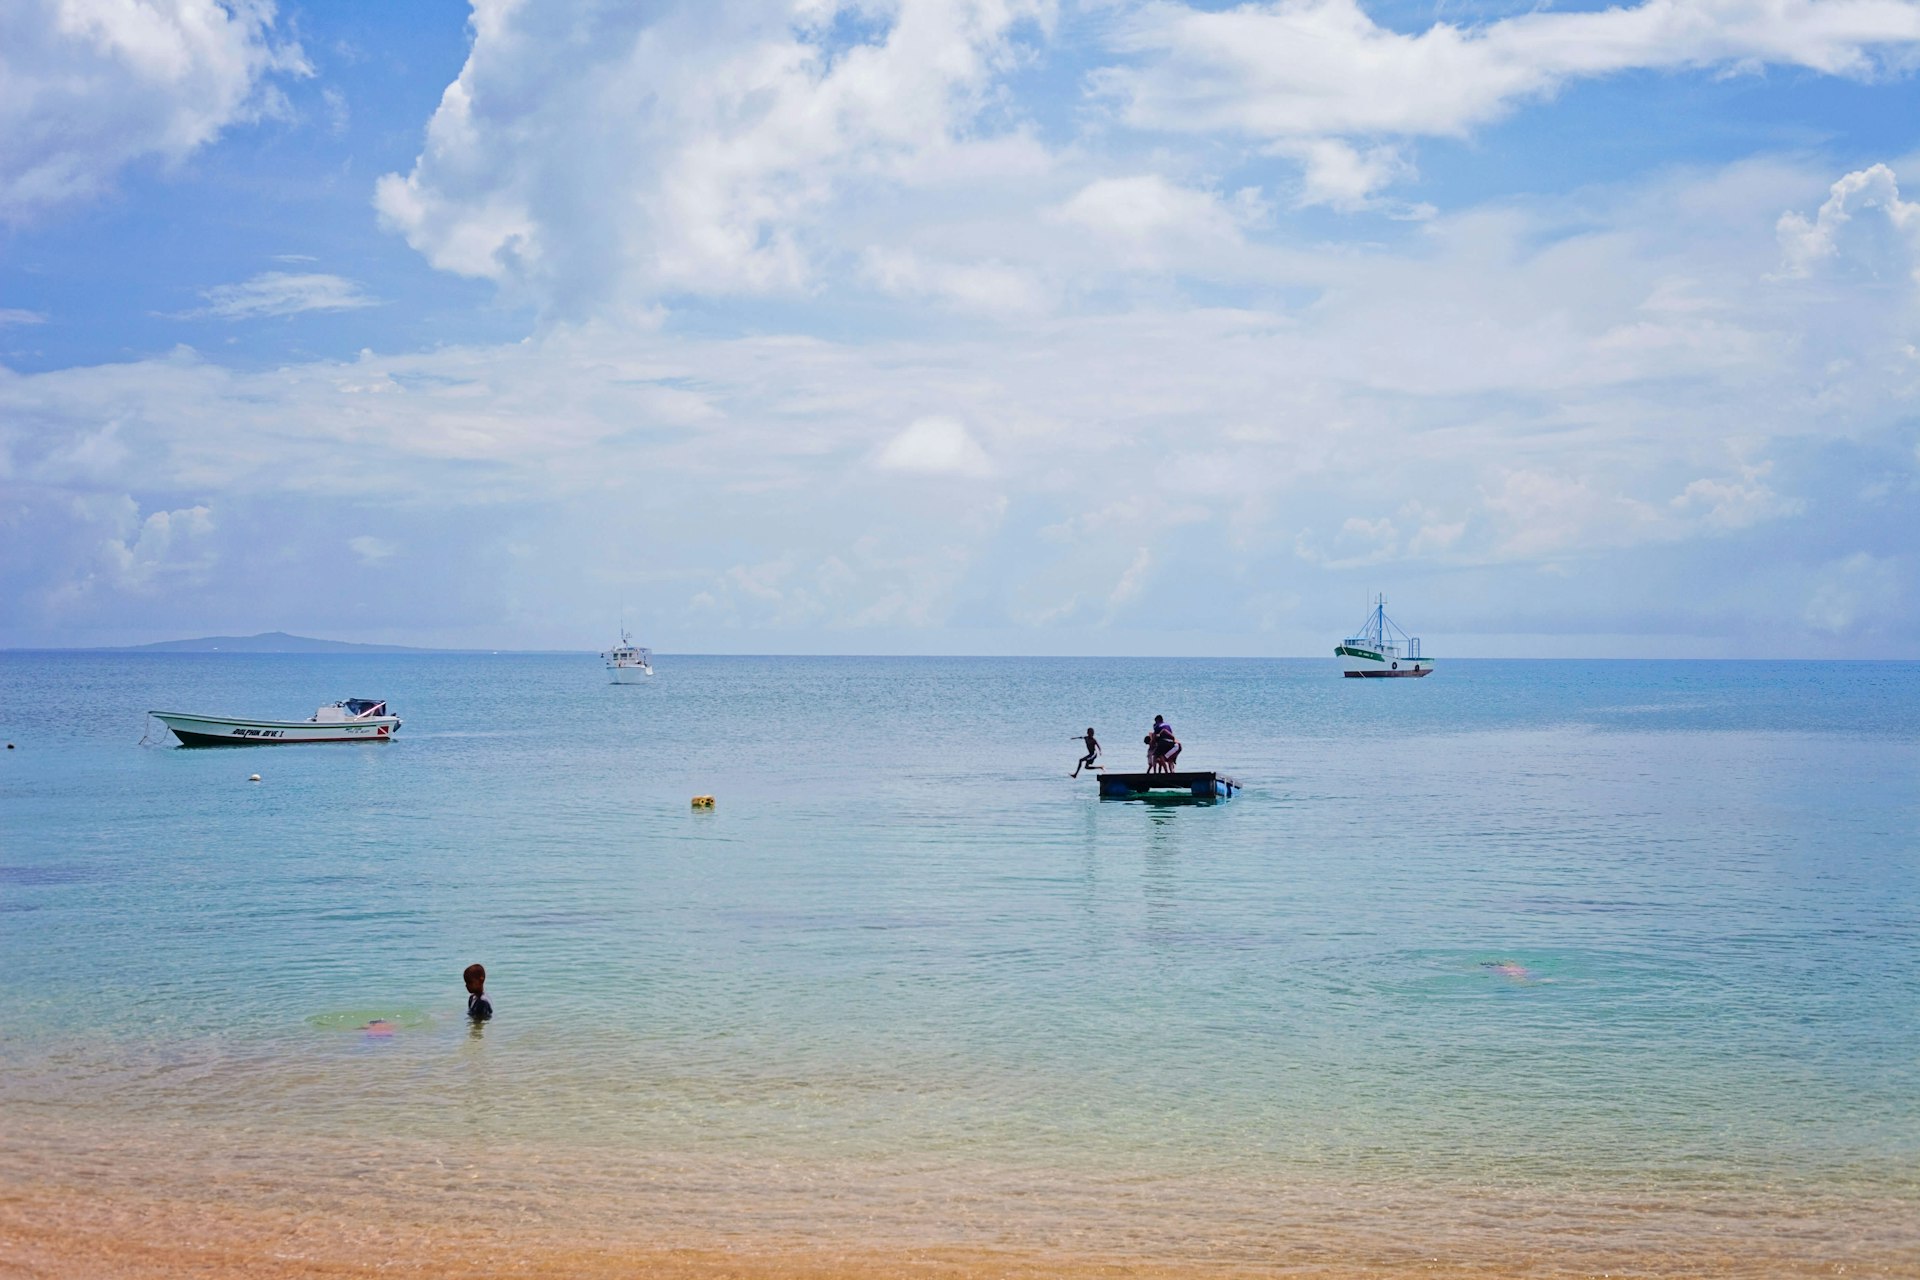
(68, 1234)
(143, 1204)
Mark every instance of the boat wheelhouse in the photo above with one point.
(1379, 648)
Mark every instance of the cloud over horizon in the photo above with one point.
(896, 324)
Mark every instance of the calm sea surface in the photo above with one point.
(1566, 930)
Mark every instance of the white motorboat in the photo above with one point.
(352, 720)
(626, 662)
(1379, 648)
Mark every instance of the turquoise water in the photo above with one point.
(1558, 924)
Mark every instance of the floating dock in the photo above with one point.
(1206, 786)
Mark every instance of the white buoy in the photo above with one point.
(253, 777)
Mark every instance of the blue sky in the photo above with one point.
(1001, 326)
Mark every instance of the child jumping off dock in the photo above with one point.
(1093, 753)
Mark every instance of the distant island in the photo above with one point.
(265, 642)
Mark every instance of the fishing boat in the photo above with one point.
(1379, 648)
(626, 662)
(350, 720)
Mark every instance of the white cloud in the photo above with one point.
(1532, 382)
(935, 446)
(17, 316)
(1847, 589)
(1148, 220)
(372, 550)
(135, 555)
(1433, 538)
(281, 293)
(1133, 580)
(1728, 504)
(870, 585)
(1806, 244)
(1544, 514)
(150, 555)
(983, 286)
(1344, 177)
(1310, 70)
(90, 86)
(339, 114)
(687, 146)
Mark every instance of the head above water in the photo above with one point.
(476, 978)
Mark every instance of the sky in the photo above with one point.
(1113, 327)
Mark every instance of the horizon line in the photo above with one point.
(404, 651)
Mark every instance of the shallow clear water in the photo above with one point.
(1586, 926)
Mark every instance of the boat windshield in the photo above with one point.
(358, 707)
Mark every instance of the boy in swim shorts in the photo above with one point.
(1093, 753)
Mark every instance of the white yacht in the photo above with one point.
(626, 662)
(1379, 648)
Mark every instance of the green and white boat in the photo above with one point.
(1379, 648)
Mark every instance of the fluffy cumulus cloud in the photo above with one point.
(1863, 211)
(588, 152)
(123, 554)
(845, 330)
(1147, 221)
(596, 158)
(1549, 390)
(89, 86)
(935, 446)
(1303, 73)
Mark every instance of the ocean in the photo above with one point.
(1526, 968)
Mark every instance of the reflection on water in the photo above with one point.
(1470, 963)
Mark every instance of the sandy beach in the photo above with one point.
(149, 1203)
(67, 1233)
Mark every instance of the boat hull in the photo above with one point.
(225, 731)
(1361, 661)
(629, 675)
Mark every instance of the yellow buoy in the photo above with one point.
(703, 802)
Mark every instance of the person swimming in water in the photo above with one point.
(479, 1008)
(1512, 970)
(1093, 753)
